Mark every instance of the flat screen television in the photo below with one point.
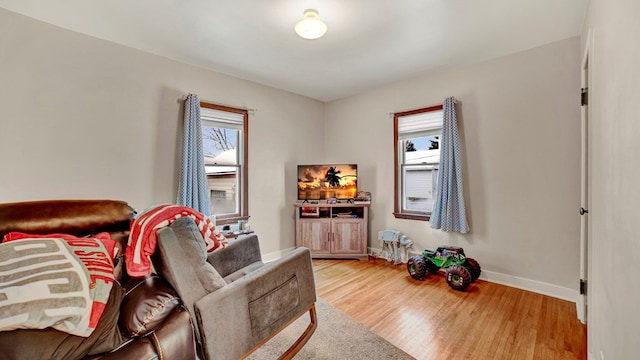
(321, 182)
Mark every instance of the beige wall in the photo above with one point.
(519, 118)
(611, 32)
(86, 118)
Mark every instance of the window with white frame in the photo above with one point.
(417, 160)
(224, 140)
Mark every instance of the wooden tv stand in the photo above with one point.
(333, 231)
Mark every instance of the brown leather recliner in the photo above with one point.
(144, 318)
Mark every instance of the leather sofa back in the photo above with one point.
(75, 217)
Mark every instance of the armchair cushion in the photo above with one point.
(239, 258)
(179, 245)
(190, 241)
(243, 272)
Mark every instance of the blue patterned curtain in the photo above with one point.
(448, 210)
(192, 188)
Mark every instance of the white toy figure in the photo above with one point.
(395, 245)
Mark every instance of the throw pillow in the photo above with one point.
(194, 247)
(53, 282)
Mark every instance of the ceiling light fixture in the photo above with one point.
(310, 27)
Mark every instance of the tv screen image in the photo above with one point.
(321, 182)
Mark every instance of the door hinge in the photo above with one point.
(584, 96)
(583, 287)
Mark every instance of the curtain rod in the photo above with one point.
(455, 101)
(252, 111)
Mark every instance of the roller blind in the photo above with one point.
(420, 125)
(226, 119)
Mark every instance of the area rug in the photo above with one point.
(336, 337)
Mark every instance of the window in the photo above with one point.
(417, 135)
(224, 142)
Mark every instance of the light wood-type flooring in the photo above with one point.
(429, 320)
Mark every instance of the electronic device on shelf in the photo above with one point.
(327, 182)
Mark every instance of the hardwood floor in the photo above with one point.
(429, 320)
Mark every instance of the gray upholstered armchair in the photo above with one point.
(237, 301)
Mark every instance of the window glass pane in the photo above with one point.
(422, 150)
(220, 144)
(222, 168)
(222, 189)
(420, 187)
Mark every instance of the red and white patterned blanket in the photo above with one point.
(142, 236)
(59, 281)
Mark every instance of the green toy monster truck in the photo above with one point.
(460, 270)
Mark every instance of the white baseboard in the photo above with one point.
(536, 286)
(276, 254)
(539, 287)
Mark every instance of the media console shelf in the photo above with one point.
(333, 231)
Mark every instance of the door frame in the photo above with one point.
(585, 186)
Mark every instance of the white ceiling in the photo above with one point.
(369, 42)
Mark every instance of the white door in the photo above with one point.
(581, 305)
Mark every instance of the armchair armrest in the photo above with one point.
(240, 253)
(256, 306)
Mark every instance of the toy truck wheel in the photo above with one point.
(458, 277)
(417, 267)
(473, 267)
